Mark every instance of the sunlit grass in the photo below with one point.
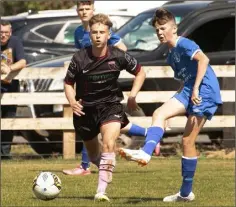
(214, 183)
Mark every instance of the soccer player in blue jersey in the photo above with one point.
(85, 10)
(198, 98)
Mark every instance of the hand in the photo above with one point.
(195, 97)
(77, 108)
(131, 104)
(5, 69)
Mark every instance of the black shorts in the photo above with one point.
(88, 126)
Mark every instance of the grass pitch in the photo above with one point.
(132, 186)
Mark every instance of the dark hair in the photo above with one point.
(100, 18)
(162, 16)
(5, 22)
(84, 2)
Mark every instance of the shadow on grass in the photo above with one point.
(96, 172)
(129, 200)
(135, 200)
(57, 171)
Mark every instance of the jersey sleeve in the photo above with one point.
(190, 48)
(71, 72)
(130, 64)
(77, 44)
(114, 39)
(19, 50)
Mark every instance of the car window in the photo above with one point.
(50, 30)
(215, 36)
(43, 33)
(118, 21)
(138, 34)
(31, 36)
(69, 32)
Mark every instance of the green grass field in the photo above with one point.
(132, 185)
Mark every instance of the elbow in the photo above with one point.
(121, 46)
(207, 61)
(142, 74)
(124, 48)
(204, 61)
(23, 62)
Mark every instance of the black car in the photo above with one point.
(50, 33)
(211, 27)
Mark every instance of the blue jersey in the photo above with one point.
(82, 38)
(180, 58)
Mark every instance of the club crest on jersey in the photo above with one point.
(176, 57)
(112, 65)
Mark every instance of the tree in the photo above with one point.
(16, 7)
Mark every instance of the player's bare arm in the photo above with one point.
(5, 69)
(137, 84)
(203, 62)
(75, 105)
(121, 46)
(18, 65)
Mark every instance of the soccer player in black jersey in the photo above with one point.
(96, 100)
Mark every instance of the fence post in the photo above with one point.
(68, 135)
(228, 109)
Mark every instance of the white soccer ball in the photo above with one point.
(46, 186)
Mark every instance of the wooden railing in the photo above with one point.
(65, 123)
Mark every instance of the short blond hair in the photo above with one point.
(162, 16)
(100, 18)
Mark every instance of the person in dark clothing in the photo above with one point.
(96, 100)
(12, 59)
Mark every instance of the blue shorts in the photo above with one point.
(206, 108)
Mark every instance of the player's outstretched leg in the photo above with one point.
(138, 156)
(143, 156)
(155, 133)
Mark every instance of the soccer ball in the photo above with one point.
(46, 186)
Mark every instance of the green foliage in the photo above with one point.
(15, 7)
(132, 186)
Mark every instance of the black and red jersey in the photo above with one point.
(96, 78)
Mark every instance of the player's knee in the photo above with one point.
(158, 115)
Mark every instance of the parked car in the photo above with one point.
(50, 33)
(212, 26)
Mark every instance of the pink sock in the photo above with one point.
(106, 167)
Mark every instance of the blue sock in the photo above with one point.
(136, 130)
(154, 135)
(85, 159)
(188, 170)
